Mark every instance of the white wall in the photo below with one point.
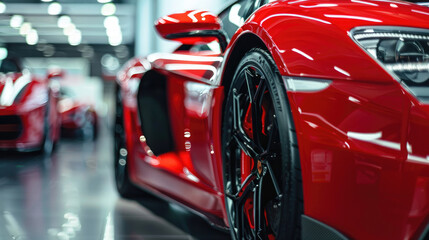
(147, 40)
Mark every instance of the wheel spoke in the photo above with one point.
(258, 211)
(251, 88)
(260, 92)
(246, 181)
(271, 136)
(256, 106)
(245, 143)
(239, 203)
(236, 111)
(273, 179)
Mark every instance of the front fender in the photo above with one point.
(307, 39)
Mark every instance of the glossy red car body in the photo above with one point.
(363, 141)
(24, 100)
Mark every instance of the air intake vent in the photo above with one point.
(10, 127)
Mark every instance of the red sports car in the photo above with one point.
(77, 117)
(311, 122)
(29, 119)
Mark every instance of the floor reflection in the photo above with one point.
(71, 195)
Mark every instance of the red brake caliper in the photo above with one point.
(247, 165)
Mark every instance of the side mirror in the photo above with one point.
(191, 27)
(55, 73)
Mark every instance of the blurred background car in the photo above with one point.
(29, 120)
(78, 118)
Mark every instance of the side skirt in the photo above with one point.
(315, 230)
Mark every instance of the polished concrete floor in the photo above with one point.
(71, 195)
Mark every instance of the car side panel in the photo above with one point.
(189, 173)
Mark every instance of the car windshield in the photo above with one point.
(8, 65)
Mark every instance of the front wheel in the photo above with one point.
(262, 176)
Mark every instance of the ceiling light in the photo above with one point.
(54, 8)
(16, 21)
(69, 29)
(75, 38)
(63, 21)
(32, 37)
(104, 1)
(111, 21)
(3, 53)
(112, 31)
(46, 0)
(108, 9)
(25, 28)
(115, 40)
(2, 7)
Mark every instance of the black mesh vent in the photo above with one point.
(10, 127)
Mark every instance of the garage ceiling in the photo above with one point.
(84, 14)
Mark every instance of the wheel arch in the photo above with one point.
(242, 44)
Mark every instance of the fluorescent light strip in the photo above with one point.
(302, 53)
(294, 15)
(182, 57)
(352, 17)
(363, 2)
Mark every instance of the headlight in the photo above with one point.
(404, 52)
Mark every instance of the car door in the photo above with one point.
(179, 105)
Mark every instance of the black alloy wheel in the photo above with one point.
(262, 175)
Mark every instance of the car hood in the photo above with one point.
(347, 14)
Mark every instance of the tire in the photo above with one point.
(125, 187)
(48, 144)
(262, 173)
